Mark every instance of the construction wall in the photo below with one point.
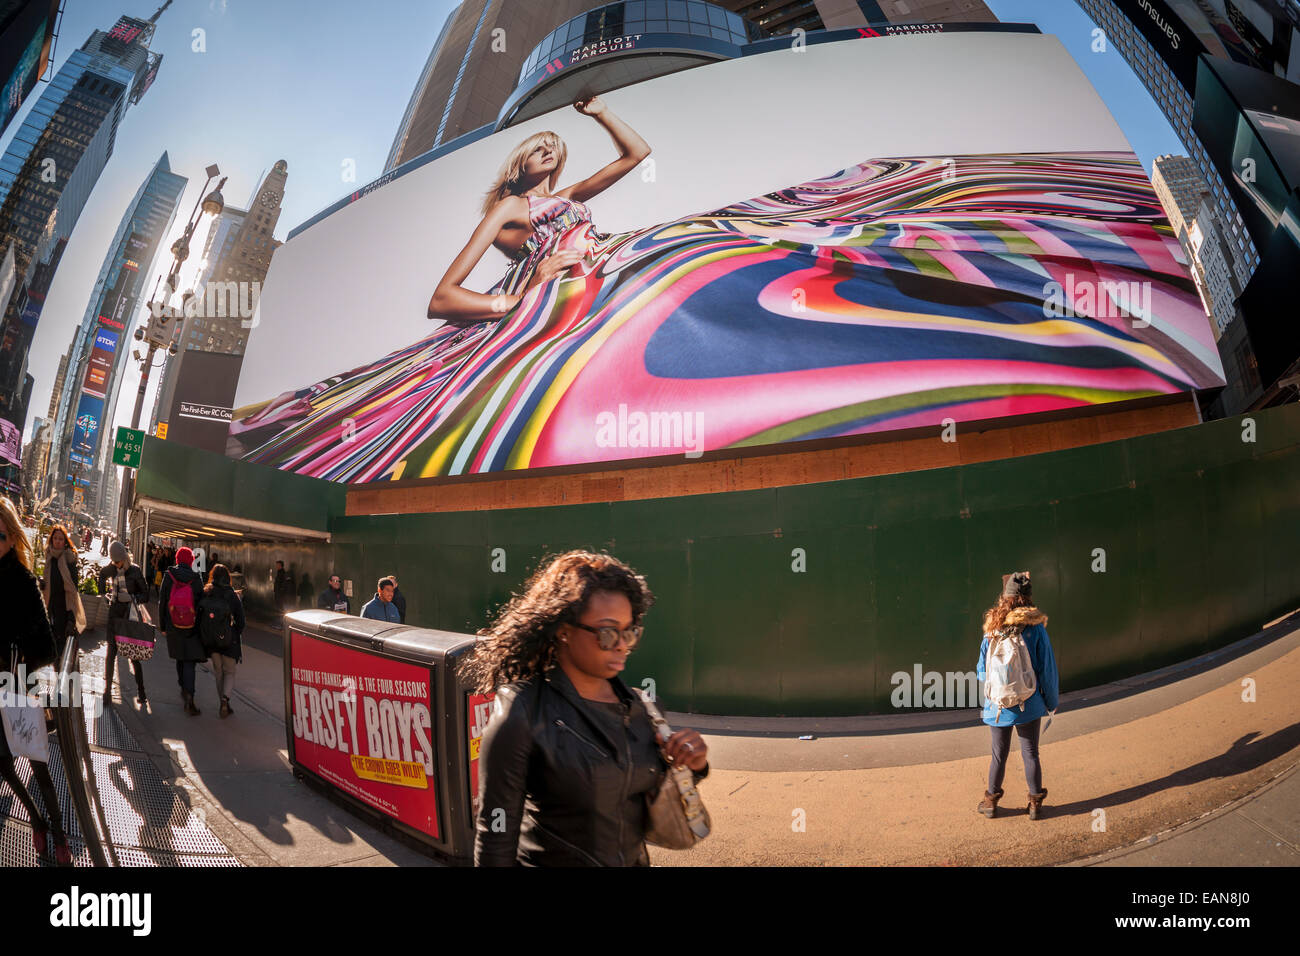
(1197, 529)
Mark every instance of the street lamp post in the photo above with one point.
(159, 333)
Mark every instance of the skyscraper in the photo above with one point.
(475, 63)
(1155, 68)
(49, 170)
(102, 340)
(1188, 202)
(236, 257)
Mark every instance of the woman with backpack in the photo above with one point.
(221, 623)
(178, 606)
(1017, 671)
(27, 640)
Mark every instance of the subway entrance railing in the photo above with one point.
(377, 719)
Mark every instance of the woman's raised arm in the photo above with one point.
(458, 305)
(631, 147)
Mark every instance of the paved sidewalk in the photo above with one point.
(1176, 755)
(237, 769)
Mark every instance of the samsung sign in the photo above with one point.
(1170, 37)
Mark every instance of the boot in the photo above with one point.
(62, 852)
(989, 805)
(1036, 804)
(225, 707)
(190, 708)
(39, 832)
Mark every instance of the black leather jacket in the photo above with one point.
(557, 785)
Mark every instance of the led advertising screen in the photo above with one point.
(776, 270)
(21, 45)
(100, 366)
(85, 429)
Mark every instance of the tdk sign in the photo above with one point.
(106, 341)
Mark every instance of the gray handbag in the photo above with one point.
(678, 817)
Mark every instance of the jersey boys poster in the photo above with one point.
(364, 724)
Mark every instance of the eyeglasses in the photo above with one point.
(608, 637)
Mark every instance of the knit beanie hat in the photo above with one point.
(185, 556)
(117, 552)
(1017, 585)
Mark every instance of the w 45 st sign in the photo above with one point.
(127, 447)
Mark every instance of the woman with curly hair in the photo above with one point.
(1024, 691)
(569, 760)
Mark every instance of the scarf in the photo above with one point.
(72, 598)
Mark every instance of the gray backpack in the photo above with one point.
(1009, 678)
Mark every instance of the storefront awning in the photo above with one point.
(168, 519)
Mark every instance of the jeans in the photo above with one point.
(223, 670)
(185, 675)
(1028, 752)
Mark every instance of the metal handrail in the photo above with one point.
(78, 766)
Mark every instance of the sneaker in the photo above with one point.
(225, 707)
(62, 852)
(38, 839)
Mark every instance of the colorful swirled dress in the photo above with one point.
(893, 294)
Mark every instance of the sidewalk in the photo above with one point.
(237, 769)
(1172, 768)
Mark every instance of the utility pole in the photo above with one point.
(159, 333)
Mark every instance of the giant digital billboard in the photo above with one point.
(99, 368)
(24, 52)
(85, 429)
(786, 265)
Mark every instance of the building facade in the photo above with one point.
(1189, 205)
(482, 53)
(200, 379)
(48, 172)
(101, 344)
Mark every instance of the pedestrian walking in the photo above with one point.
(123, 583)
(182, 589)
(1017, 671)
(221, 625)
(62, 599)
(29, 641)
(283, 587)
(381, 606)
(399, 601)
(570, 756)
(333, 598)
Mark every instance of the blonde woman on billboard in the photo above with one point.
(543, 231)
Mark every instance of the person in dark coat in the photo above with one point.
(283, 587)
(333, 598)
(398, 600)
(223, 662)
(183, 644)
(123, 583)
(67, 615)
(27, 631)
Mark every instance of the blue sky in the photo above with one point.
(318, 84)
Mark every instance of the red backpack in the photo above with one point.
(180, 604)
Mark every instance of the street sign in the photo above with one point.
(127, 447)
(161, 431)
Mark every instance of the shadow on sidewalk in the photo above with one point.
(1247, 753)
